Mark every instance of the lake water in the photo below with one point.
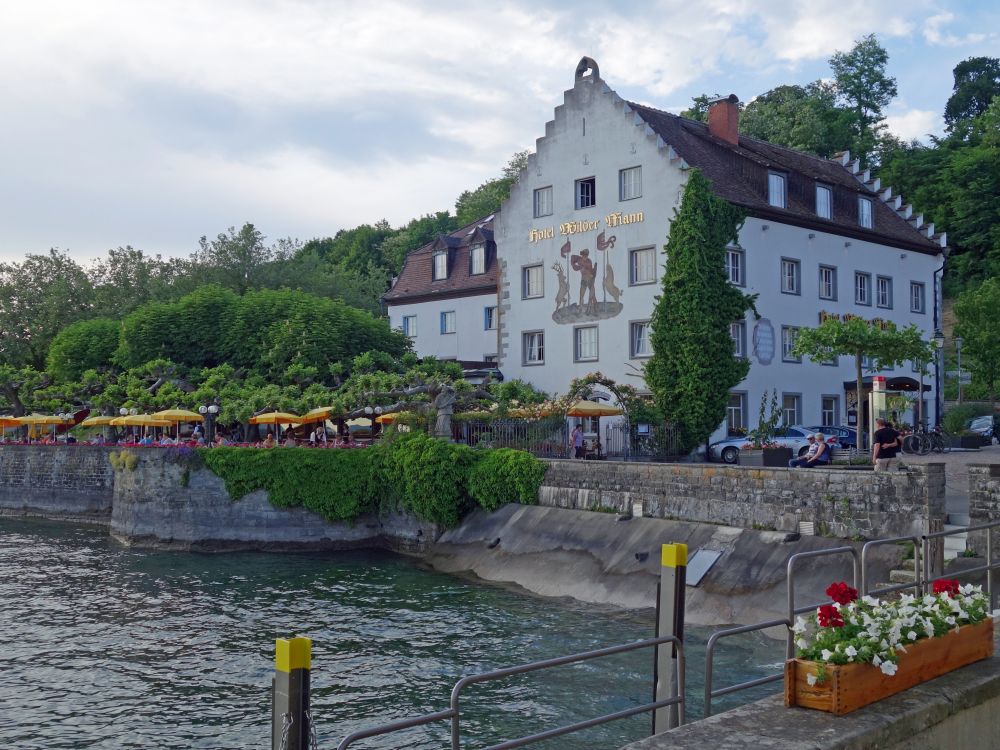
(107, 647)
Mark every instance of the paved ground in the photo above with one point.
(956, 472)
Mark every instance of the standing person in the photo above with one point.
(576, 441)
(885, 445)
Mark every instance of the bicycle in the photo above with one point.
(922, 442)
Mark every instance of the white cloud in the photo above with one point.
(915, 124)
(934, 33)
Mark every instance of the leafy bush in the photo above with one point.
(504, 475)
(123, 460)
(956, 418)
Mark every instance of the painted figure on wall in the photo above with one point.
(587, 308)
(609, 273)
(588, 275)
(562, 296)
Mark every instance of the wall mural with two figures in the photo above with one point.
(586, 308)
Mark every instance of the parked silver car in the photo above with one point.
(795, 437)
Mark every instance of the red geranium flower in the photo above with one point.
(828, 616)
(842, 593)
(946, 586)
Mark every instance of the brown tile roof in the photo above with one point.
(739, 174)
(416, 284)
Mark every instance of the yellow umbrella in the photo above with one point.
(389, 418)
(359, 422)
(592, 409)
(179, 415)
(6, 422)
(139, 420)
(42, 419)
(320, 414)
(276, 417)
(97, 421)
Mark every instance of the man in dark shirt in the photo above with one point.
(885, 445)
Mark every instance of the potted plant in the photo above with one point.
(857, 651)
(761, 448)
(966, 439)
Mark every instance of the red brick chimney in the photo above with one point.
(724, 118)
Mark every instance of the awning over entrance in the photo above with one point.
(901, 383)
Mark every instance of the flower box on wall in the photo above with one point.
(848, 687)
(769, 457)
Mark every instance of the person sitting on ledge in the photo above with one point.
(817, 455)
(268, 441)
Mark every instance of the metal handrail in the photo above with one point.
(453, 713)
(917, 554)
(790, 583)
(710, 663)
(988, 568)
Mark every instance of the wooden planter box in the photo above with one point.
(848, 687)
(966, 442)
(770, 457)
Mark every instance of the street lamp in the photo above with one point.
(938, 371)
(958, 353)
(209, 412)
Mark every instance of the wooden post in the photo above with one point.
(290, 694)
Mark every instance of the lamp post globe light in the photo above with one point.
(209, 412)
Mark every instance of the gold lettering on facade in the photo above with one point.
(537, 235)
(577, 227)
(879, 322)
(618, 219)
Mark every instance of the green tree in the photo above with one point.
(693, 368)
(235, 259)
(979, 326)
(699, 107)
(805, 118)
(128, 278)
(416, 233)
(855, 337)
(473, 205)
(81, 346)
(18, 386)
(38, 297)
(977, 84)
(864, 87)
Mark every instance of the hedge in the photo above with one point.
(433, 479)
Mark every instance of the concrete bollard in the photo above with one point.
(290, 717)
(669, 621)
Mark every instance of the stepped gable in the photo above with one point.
(415, 282)
(739, 174)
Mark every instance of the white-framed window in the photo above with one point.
(791, 408)
(477, 259)
(829, 410)
(532, 282)
(448, 321)
(736, 413)
(827, 282)
(585, 343)
(440, 270)
(490, 318)
(642, 266)
(543, 201)
(639, 343)
(586, 192)
(735, 261)
(788, 336)
(410, 325)
(865, 217)
(791, 276)
(883, 291)
(862, 288)
(824, 202)
(629, 183)
(777, 194)
(917, 303)
(738, 333)
(533, 347)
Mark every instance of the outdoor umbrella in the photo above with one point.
(389, 418)
(6, 422)
(319, 414)
(140, 420)
(276, 418)
(176, 416)
(592, 409)
(100, 420)
(35, 420)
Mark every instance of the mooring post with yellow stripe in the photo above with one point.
(290, 694)
(669, 621)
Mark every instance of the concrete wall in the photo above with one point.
(51, 481)
(840, 502)
(957, 711)
(984, 505)
(160, 504)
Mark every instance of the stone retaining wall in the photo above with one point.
(839, 502)
(984, 505)
(56, 482)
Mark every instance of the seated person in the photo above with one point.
(268, 441)
(817, 455)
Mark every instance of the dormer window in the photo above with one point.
(477, 259)
(865, 212)
(440, 269)
(824, 202)
(777, 194)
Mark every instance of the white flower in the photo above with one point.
(800, 625)
(851, 651)
(826, 654)
(811, 679)
(911, 635)
(888, 668)
(950, 620)
(871, 601)
(802, 643)
(876, 660)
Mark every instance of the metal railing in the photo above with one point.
(710, 663)
(546, 438)
(453, 712)
(790, 580)
(988, 568)
(918, 554)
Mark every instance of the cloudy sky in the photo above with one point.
(152, 123)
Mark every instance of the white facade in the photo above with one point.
(469, 341)
(594, 134)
